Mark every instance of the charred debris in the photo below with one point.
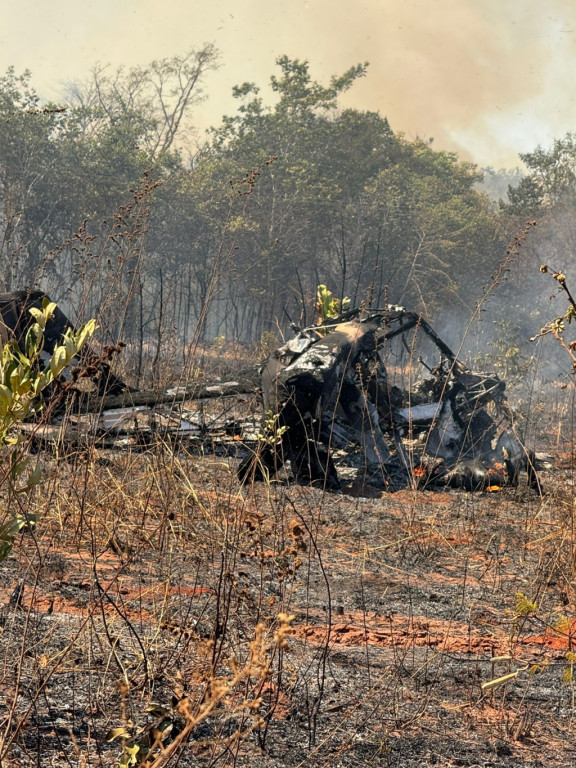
(328, 390)
(330, 405)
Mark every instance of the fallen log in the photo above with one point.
(247, 383)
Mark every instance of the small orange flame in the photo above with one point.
(419, 471)
(493, 488)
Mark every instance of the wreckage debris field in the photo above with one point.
(370, 622)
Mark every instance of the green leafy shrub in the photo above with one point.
(23, 378)
(506, 354)
(327, 305)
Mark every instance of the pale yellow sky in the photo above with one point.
(486, 78)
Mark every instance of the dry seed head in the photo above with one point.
(297, 533)
(253, 705)
(184, 707)
(218, 688)
(284, 630)
(295, 528)
(259, 664)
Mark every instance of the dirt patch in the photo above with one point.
(404, 632)
(167, 579)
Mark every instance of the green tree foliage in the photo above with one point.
(546, 195)
(431, 225)
(62, 164)
(551, 181)
(284, 196)
(347, 199)
(300, 198)
(33, 205)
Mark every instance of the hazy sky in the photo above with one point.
(487, 78)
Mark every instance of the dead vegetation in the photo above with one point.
(159, 612)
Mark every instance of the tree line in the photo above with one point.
(108, 203)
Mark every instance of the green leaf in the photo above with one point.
(129, 755)
(38, 316)
(117, 733)
(524, 606)
(157, 710)
(42, 381)
(33, 341)
(16, 378)
(58, 361)
(8, 532)
(70, 346)
(35, 478)
(5, 399)
(48, 307)
(85, 332)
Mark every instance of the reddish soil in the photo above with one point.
(404, 605)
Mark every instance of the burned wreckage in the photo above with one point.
(330, 407)
(327, 390)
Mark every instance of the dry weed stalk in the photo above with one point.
(220, 692)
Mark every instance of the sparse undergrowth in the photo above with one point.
(154, 606)
(161, 614)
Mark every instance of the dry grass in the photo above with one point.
(155, 596)
(197, 622)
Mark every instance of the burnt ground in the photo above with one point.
(153, 580)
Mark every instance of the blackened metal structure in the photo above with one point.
(328, 388)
